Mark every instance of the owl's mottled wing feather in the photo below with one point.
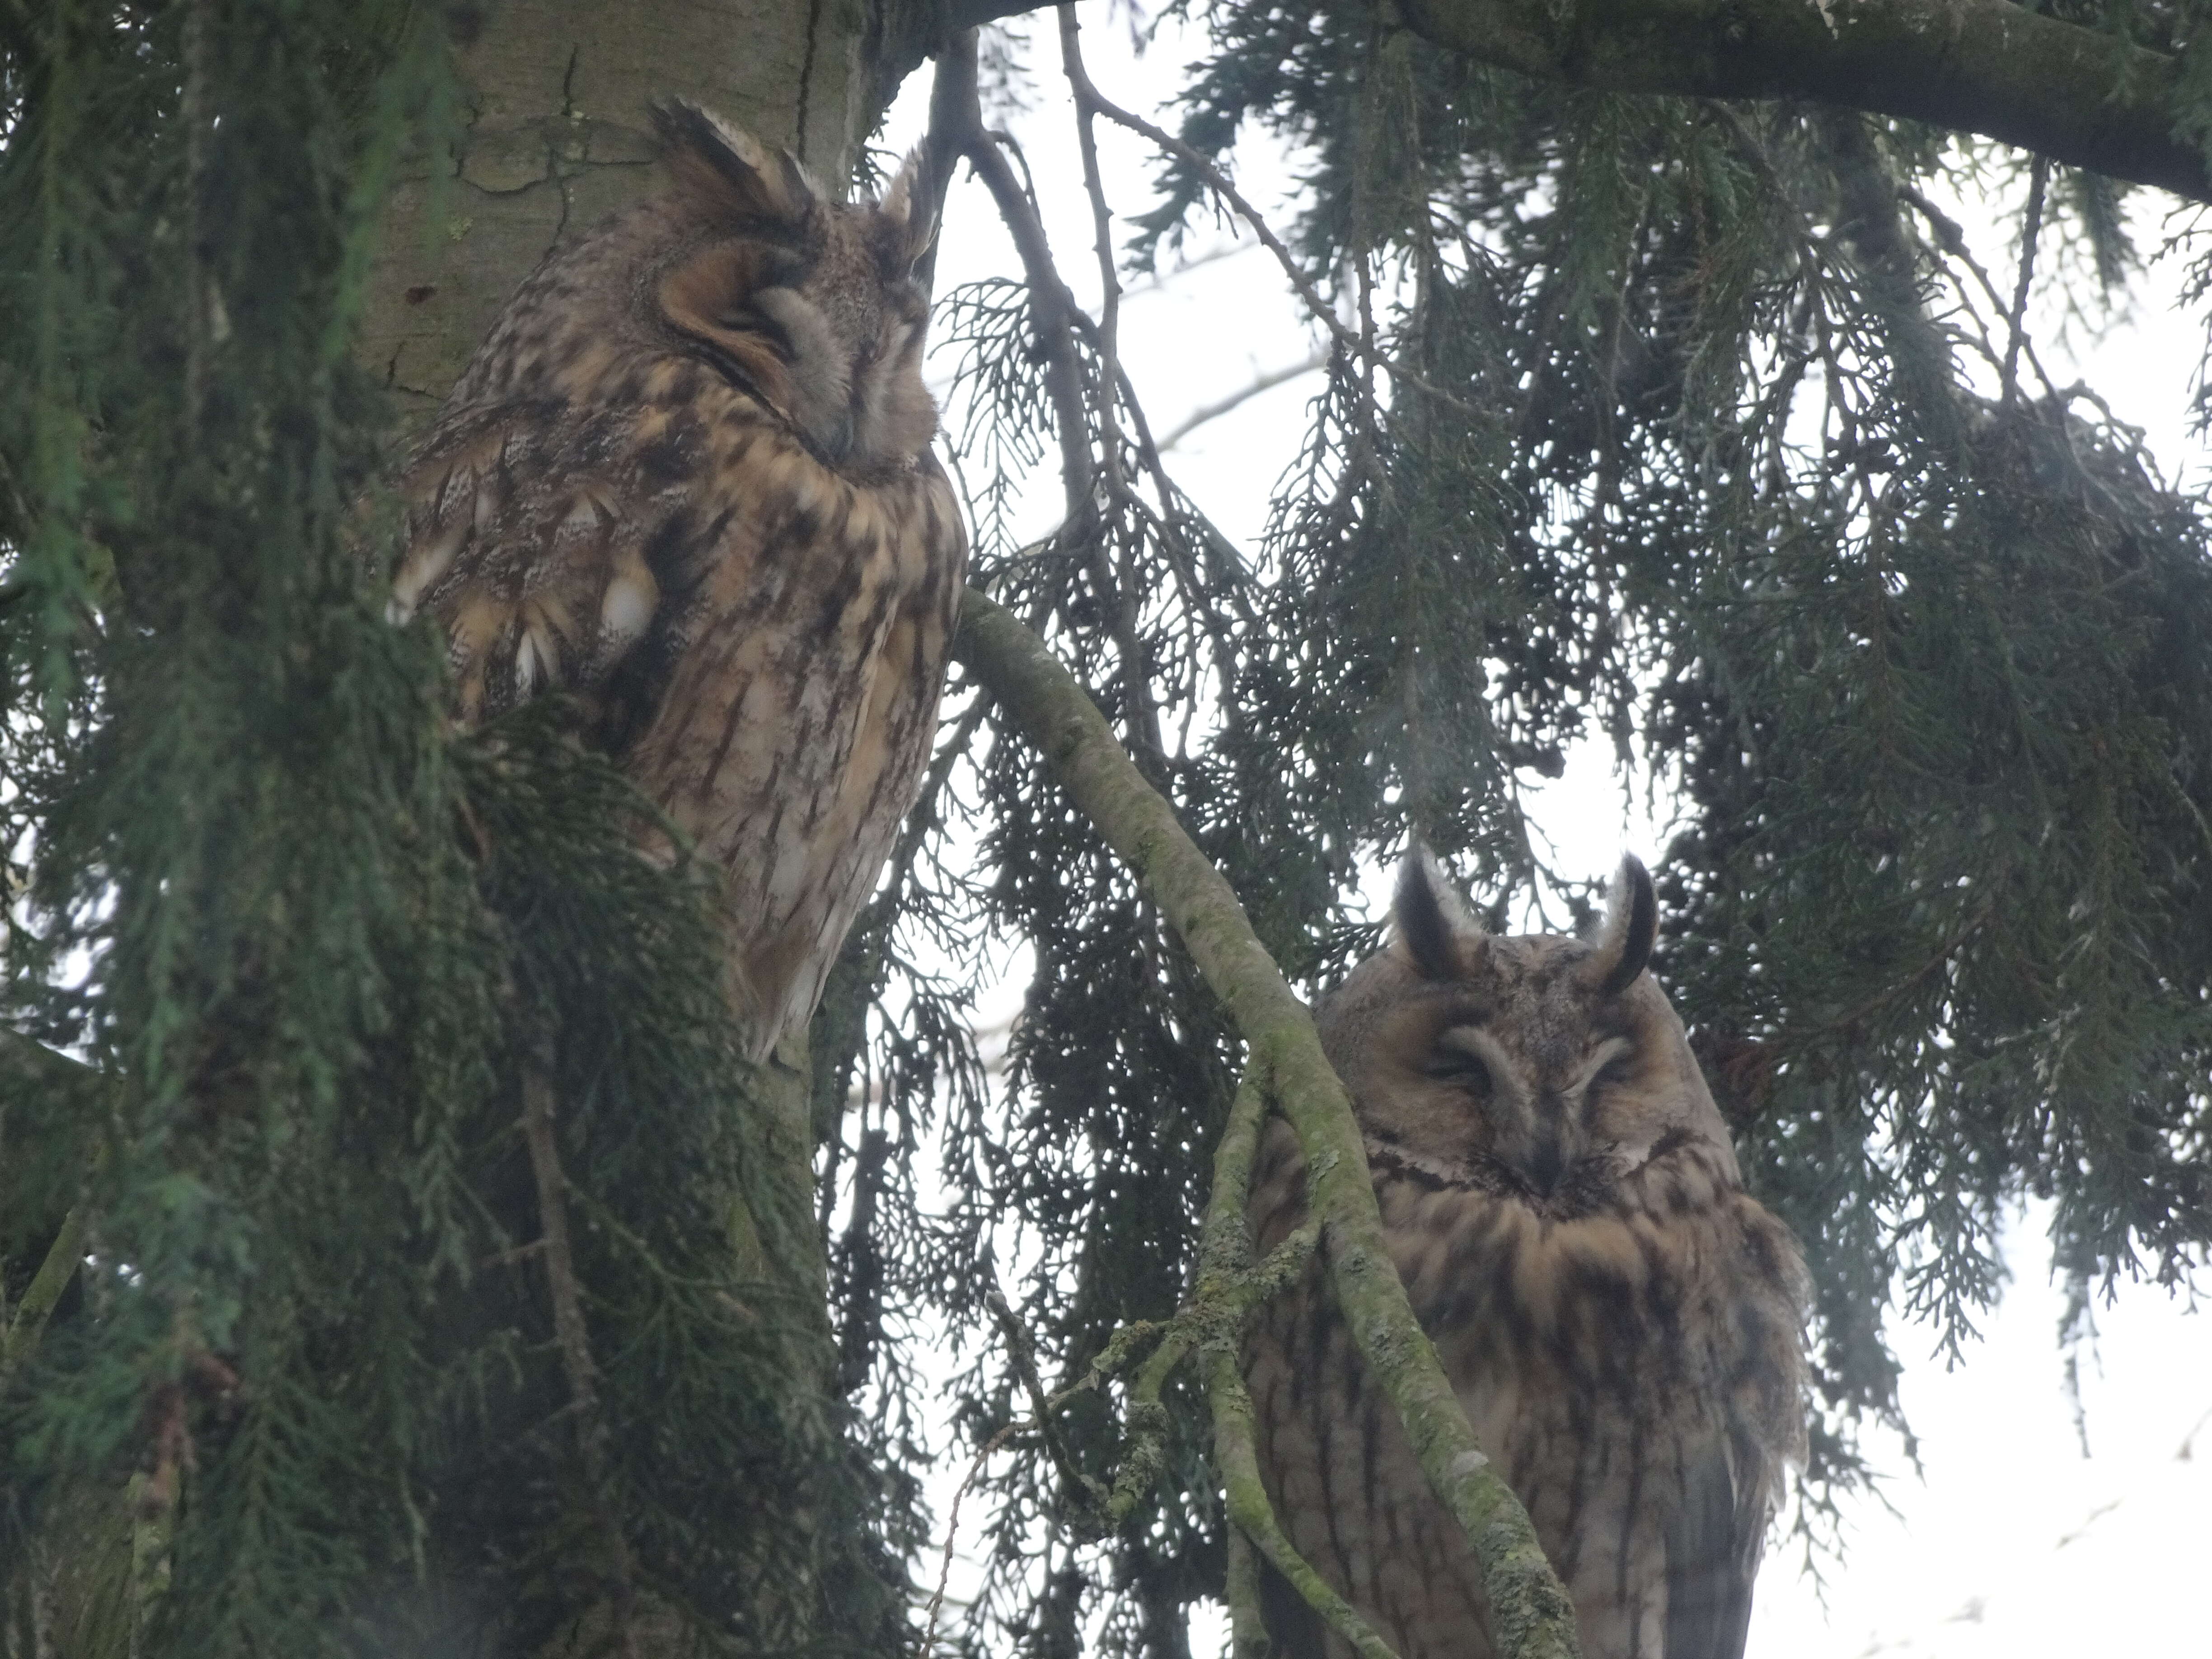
(532, 533)
(1294, 1631)
(760, 638)
(686, 482)
(1712, 1543)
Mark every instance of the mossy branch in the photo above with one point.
(1530, 1611)
(1225, 1250)
(1229, 1287)
(20, 1335)
(26, 1068)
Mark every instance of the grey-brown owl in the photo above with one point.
(687, 479)
(1619, 1318)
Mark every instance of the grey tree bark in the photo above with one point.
(557, 137)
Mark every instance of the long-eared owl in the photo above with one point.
(1620, 1320)
(687, 480)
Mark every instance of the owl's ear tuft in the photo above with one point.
(1433, 923)
(1624, 941)
(727, 171)
(908, 209)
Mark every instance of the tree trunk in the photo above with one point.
(558, 136)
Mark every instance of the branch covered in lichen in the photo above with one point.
(1530, 1611)
(20, 1335)
(1229, 1287)
(1223, 1279)
(26, 1068)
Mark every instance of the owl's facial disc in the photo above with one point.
(1538, 1120)
(816, 323)
(852, 352)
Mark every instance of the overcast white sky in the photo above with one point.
(2009, 1541)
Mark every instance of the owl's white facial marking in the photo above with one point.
(1469, 1058)
(821, 364)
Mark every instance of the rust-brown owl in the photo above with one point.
(687, 479)
(1620, 1320)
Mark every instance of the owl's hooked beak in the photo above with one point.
(1539, 1155)
(1547, 1157)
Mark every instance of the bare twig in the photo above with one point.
(1118, 588)
(1363, 349)
(1161, 280)
(1953, 241)
(952, 1531)
(1102, 228)
(1020, 1349)
(2039, 180)
(1236, 399)
(1217, 182)
(956, 115)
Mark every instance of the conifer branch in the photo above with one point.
(1259, 383)
(27, 1066)
(1531, 1613)
(2081, 95)
(2040, 181)
(572, 1340)
(20, 1337)
(1105, 334)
